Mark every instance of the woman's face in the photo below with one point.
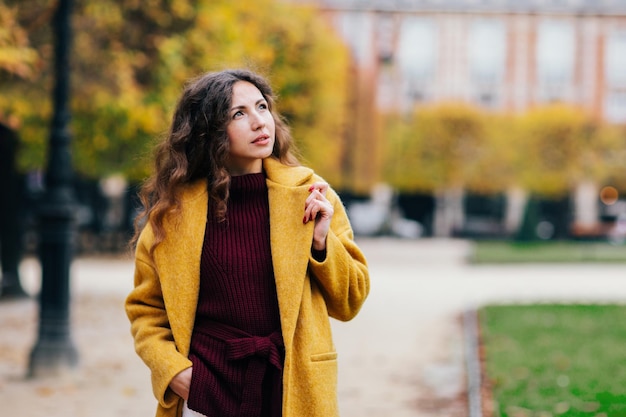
(250, 130)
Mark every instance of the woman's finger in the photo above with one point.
(316, 203)
(320, 186)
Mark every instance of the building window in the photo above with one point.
(487, 51)
(615, 107)
(487, 60)
(417, 56)
(356, 29)
(556, 49)
(615, 58)
(615, 75)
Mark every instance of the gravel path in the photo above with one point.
(401, 357)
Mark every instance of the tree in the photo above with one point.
(16, 56)
(563, 149)
(558, 149)
(610, 155)
(438, 149)
(131, 58)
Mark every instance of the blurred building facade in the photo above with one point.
(499, 54)
(503, 55)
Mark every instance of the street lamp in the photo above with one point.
(54, 352)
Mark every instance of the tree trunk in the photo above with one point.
(11, 233)
(449, 212)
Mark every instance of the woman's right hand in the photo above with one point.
(181, 382)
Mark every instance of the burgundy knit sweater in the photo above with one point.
(236, 345)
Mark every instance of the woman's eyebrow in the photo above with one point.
(243, 106)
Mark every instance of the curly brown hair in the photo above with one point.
(196, 146)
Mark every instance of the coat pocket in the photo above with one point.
(320, 357)
(321, 386)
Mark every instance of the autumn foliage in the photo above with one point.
(546, 151)
(131, 57)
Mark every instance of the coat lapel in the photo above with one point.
(290, 239)
(178, 263)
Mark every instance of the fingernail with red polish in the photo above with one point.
(311, 188)
(304, 220)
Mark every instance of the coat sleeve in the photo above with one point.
(150, 327)
(343, 275)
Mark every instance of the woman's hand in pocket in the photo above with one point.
(181, 382)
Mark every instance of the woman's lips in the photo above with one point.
(261, 140)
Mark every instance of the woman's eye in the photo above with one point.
(237, 114)
(263, 106)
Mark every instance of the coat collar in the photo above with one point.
(286, 175)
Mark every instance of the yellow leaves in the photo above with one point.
(402, 166)
(18, 61)
(441, 147)
(556, 148)
(16, 56)
(111, 134)
(546, 150)
(235, 34)
(131, 58)
(493, 170)
(452, 130)
(108, 15)
(99, 142)
(183, 9)
(157, 12)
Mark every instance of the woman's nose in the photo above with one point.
(258, 121)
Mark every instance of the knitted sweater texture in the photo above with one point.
(236, 345)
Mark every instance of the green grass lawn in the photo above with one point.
(556, 360)
(549, 251)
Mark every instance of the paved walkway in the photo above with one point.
(401, 357)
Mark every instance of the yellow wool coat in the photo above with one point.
(162, 305)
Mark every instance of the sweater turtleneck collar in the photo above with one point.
(248, 183)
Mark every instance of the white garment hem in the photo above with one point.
(187, 412)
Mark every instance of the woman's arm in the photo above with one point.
(150, 327)
(342, 273)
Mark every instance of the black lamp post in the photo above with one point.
(54, 352)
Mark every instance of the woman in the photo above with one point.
(243, 257)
